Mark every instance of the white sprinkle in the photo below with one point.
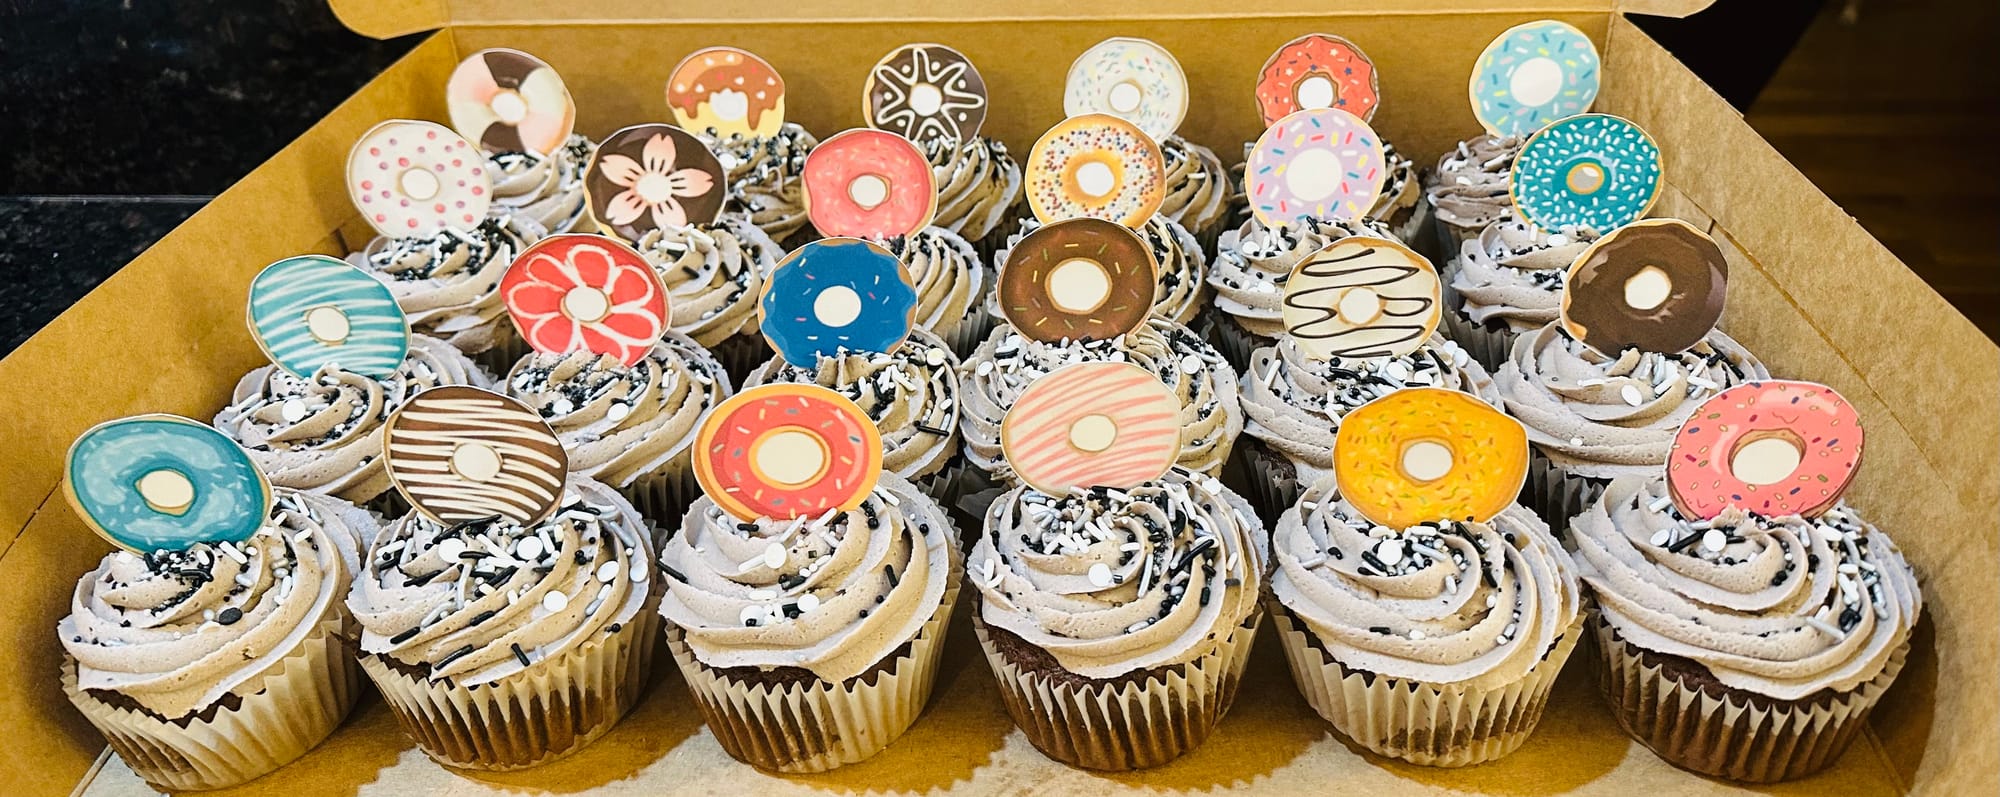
(1381, 531)
(529, 548)
(934, 356)
(1100, 574)
(555, 602)
(294, 410)
(749, 614)
(1576, 441)
(639, 575)
(1130, 546)
(1558, 239)
(450, 549)
(1631, 395)
(1396, 370)
(1492, 600)
(1662, 538)
(1591, 382)
(1191, 364)
(1714, 540)
(774, 556)
(1661, 503)
(1390, 552)
(301, 537)
(617, 412)
(607, 572)
(1825, 628)
(1416, 634)
(809, 601)
(983, 368)
(1701, 383)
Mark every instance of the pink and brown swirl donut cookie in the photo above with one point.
(510, 101)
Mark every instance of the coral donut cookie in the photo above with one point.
(1324, 164)
(417, 179)
(163, 482)
(1100, 424)
(1594, 171)
(1317, 70)
(869, 184)
(782, 451)
(1774, 448)
(510, 101)
(460, 453)
(653, 177)
(837, 294)
(1427, 454)
(1078, 279)
(1095, 166)
(1362, 297)
(578, 292)
(312, 311)
(729, 91)
(925, 93)
(1532, 75)
(1654, 285)
(1133, 79)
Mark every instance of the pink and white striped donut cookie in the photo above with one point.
(1096, 424)
(1773, 447)
(1324, 163)
(416, 179)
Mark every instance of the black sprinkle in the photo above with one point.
(405, 636)
(674, 574)
(1681, 544)
(932, 430)
(452, 656)
(519, 654)
(891, 571)
(1380, 629)
(229, 616)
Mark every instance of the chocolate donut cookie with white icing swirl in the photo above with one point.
(911, 394)
(765, 177)
(546, 190)
(1506, 282)
(448, 283)
(713, 273)
(1180, 268)
(978, 182)
(1472, 186)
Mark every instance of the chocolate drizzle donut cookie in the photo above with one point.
(925, 93)
(1362, 297)
(1656, 285)
(653, 177)
(460, 453)
(729, 91)
(1317, 70)
(1135, 80)
(1096, 166)
(510, 101)
(1081, 279)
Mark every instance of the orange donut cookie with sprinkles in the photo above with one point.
(786, 450)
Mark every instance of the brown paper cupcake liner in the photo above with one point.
(1446, 725)
(1732, 736)
(663, 496)
(298, 703)
(1229, 337)
(1450, 239)
(538, 715)
(1556, 495)
(816, 725)
(1415, 230)
(1488, 346)
(1123, 725)
(979, 322)
(507, 351)
(1273, 481)
(741, 353)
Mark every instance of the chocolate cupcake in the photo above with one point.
(448, 283)
(1471, 188)
(765, 176)
(954, 286)
(978, 187)
(713, 273)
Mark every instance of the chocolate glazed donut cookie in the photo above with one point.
(1078, 279)
(1656, 285)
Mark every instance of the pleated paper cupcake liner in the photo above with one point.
(1489, 347)
(1273, 481)
(299, 702)
(545, 712)
(1128, 725)
(664, 495)
(1229, 337)
(1450, 239)
(1556, 495)
(817, 725)
(1446, 725)
(741, 353)
(1416, 231)
(1730, 736)
(507, 351)
(979, 322)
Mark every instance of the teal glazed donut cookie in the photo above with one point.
(311, 311)
(163, 482)
(1596, 171)
(1133, 79)
(837, 293)
(1532, 75)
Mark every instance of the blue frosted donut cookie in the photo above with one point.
(1532, 75)
(312, 310)
(1594, 170)
(837, 293)
(163, 482)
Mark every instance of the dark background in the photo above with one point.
(120, 119)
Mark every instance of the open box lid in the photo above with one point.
(387, 18)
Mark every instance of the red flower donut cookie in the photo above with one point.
(510, 101)
(1772, 447)
(1325, 163)
(1426, 454)
(868, 184)
(1095, 166)
(1100, 424)
(782, 451)
(416, 179)
(578, 292)
(729, 91)
(1317, 70)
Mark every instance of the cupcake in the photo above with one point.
(1250, 268)
(910, 392)
(764, 179)
(1424, 613)
(1181, 269)
(934, 96)
(1198, 190)
(1472, 189)
(520, 113)
(1400, 206)
(978, 187)
(216, 657)
(953, 285)
(546, 190)
(1507, 282)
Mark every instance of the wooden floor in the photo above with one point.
(1897, 117)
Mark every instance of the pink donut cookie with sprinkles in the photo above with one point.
(577, 292)
(1093, 424)
(1321, 163)
(868, 184)
(1773, 447)
(416, 179)
(1317, 70)
(1095, 166)
(785, 450)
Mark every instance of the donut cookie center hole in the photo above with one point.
(585, 304)
(1093, 433)
(790, 457)
(926, 99)
(1585, 178)
(1360, 306)
(418, 183)
(869, 191)
(1079, 286)
(654, 188)
(1315, 92)
(328, 325)
(837, 306)
(1314, 174)
(167, 491)
(1096, 179)
(1535, 82)
(1426, 461)
(1649, 288)
(509, 106)
(475, 462)
(1766, 457)
(1125, 97)
(729, 105)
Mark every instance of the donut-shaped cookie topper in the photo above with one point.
(1427, 454)
(1133, 79)
(729, 91)
(1595, 170)
(1324, 163)
(510, 101)
(1532, 75)
(653, 177)
(782, 451)
(1773, 447)
(459, 453)
(577, 292)
(1096, 166)
(1078, 279)
(1094, 424)
(417, 179)
(837, 293)
(1317, 70)
(925, 93)
(868, 184)
(311, 311)
(163, 482)
(1655, 285)
(1362, 297)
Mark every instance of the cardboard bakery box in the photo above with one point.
(1810, 292)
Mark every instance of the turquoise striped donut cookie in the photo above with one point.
(311, 311)
(1593, 170)
(1532, 75)
(163, 482)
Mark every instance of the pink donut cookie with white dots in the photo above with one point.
(1772, 447)
(416, 179)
